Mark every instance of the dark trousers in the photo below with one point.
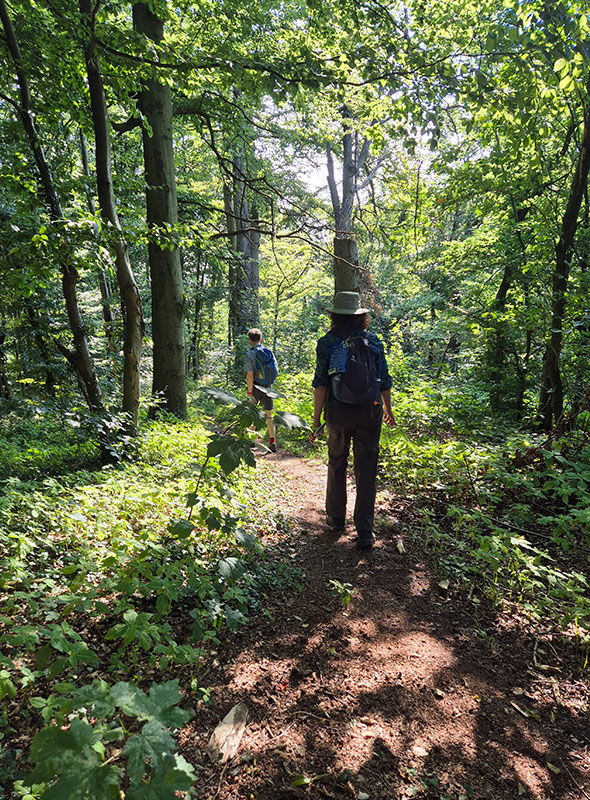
(362, 426)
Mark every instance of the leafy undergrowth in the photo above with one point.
(36, 441)
(114, 579)
(503, 510)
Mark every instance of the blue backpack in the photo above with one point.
(266, 366)
(355, 371)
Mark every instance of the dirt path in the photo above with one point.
(409, 691)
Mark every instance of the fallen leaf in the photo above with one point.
(400, 546)
(438, 693)
(344, 775)
(519, 709)
(552, 768)
(518, 691)
(444, 584)
(526, 712)
(301, 780)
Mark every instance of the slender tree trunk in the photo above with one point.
(42, 347)
(244, 281)
(80, 358)
(346, 258)
(497, 348)
(195, 345)
(104, 283)
(346, 273)
(551, 393)
(168, 304)
(5, 392)
(133, 312)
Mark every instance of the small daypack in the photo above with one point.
(354, 371)
(266, 366)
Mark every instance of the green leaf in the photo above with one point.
(231, 451)
(58, 666)
(181, 528)
(248, 541)
(70, 752)
(290, 421)
(178, 777)
(100, 783)
(567, 83)
(301, 780)
(230, 568)
(270, 392)
(561, 65)
(159, 705)
(234, 618)
(7, 687)
(220, 395)
(163, 604)
(153, 742)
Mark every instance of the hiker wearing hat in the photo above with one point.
(352, 386)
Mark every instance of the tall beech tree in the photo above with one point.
(167, 289)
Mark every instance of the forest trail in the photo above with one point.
(411, 690)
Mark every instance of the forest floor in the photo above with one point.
(412, 690)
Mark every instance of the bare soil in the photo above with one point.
(412, 690)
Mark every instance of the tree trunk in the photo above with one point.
(42, 347)
(244, 282)
(245, 241)
(80, 359)
(496, 355)
(133, 312)
(346, 260)
(104, 283)
(551, 392)
(5, 393)
(168, 305)
(195, 345)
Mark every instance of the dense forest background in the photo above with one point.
(173, 173)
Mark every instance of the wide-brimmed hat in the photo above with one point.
(347, 303)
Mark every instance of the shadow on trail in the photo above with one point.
(406, 692)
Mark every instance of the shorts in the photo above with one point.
(262, 397)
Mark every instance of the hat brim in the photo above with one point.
(347, 311)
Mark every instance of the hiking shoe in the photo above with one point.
(337, 524)
(365, 540)
(272, 447)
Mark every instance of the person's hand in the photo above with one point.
(316, 431)
(251, 398)
(388, 417)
